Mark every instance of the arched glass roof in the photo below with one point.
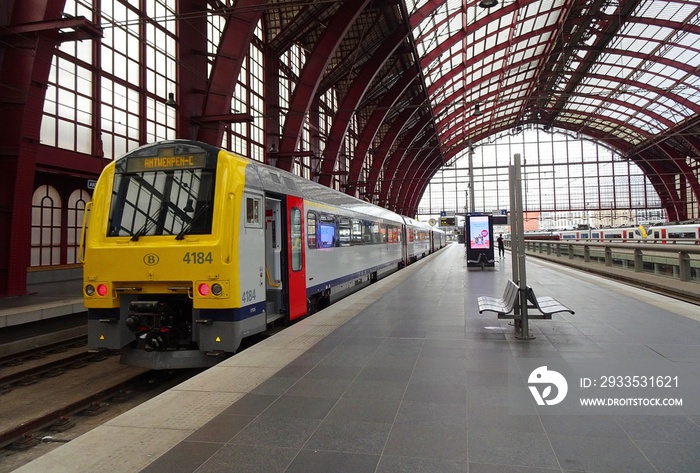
(625, 72)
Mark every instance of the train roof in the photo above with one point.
(272, 179)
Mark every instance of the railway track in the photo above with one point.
(49, 389)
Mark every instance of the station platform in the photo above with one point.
(407, 376)
(44, 301)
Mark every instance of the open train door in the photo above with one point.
(285, 258)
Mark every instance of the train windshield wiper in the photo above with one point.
(186, 229)
(150, 221)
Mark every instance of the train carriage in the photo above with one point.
(191, 248)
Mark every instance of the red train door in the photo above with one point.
(296, 267)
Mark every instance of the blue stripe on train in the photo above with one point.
(310, 291)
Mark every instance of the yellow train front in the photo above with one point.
(161, 265)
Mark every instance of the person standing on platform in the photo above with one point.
(501, 248)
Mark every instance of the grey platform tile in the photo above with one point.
(361, 389)
(403, 332)
(437, 374)
(372, 373)
(490, 468)
(336, 358)
(220, 429)
(438, 333)
(672, 457)
(678, 353)
(661, 429)
(294, 371)
(432, 413)
(310, 387)
(392, 361)
(503, 447)
(487, 417)
(250, 405)
(400, 346)
(185, 457)
(359, 410)
(353, 437)
(395, 464)
(300, 407)
(334, 372)
(275, 386)
(431, 350)
(438, 442)
(277, 432)
(247, 459)
(445, 393)
(314, 461)
(583, 426)
(604, 455)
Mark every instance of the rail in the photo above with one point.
(679, 261)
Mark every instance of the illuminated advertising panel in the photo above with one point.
(479, 233)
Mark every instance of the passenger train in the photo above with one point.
(688, 233)
(190, 248)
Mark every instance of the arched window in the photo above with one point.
(76, 207)
(46, 227)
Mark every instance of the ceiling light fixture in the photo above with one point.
(488, 3)
(477, 110)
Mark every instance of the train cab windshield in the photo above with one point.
(165, 189)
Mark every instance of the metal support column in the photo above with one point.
(516, 187)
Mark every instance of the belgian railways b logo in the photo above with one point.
(151, 259)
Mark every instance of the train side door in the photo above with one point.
(404, 246)
(274, 259)
(296, 266)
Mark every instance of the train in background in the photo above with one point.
(191, 248)
(675, 232)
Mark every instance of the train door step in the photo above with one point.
(273, 317)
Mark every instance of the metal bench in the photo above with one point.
(502, 306)
(505, 305)
(547, 305)
(482, 260)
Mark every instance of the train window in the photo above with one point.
(681, 235)
(356, 238)
(394, 234)
(344, 231)
(252, 211)
(296, 234)
(311, 229)
(170, 202)
(326, 232)
(367, 232)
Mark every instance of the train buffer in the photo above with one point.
(505, 305)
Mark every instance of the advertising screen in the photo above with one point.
(479, 237)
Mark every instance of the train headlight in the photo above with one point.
(90, 290)
(203, 289)
(216, 289)
(102, 290)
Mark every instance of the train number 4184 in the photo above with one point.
(198, 257)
